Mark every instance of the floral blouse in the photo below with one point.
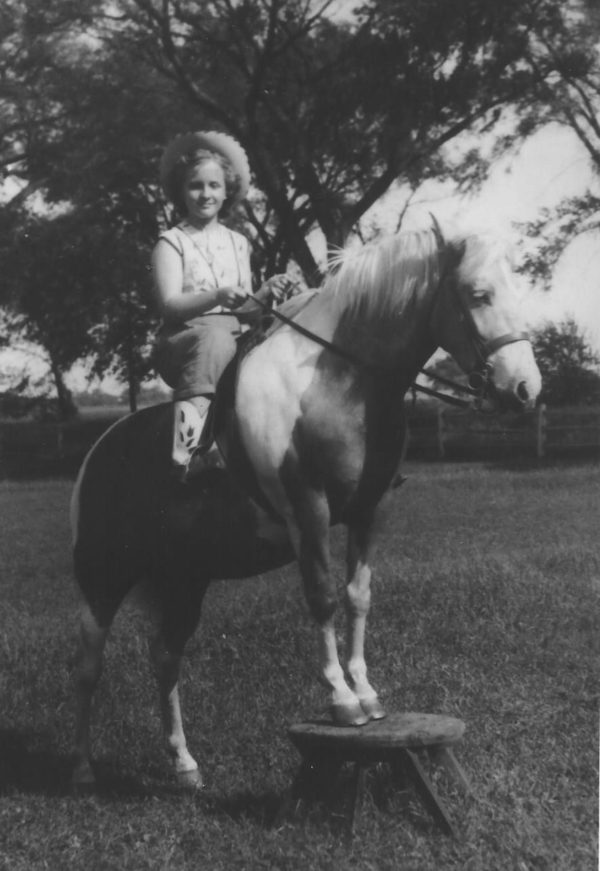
(213, 258)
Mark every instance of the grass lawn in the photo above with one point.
(485, 607)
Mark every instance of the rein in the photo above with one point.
(370, 367)
(319, 340)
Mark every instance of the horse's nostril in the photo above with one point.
(522, 392)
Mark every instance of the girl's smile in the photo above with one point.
(204, 192)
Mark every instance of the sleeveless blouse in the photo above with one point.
(211, 259)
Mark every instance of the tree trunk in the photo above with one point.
(66, 407)
(132, 390)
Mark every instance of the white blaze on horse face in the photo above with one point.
(495, 302)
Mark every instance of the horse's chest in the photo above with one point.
(273, 382)
(292, 413)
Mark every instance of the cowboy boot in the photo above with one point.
(187, 432)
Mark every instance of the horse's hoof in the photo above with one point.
(373, 708)
(348, 715)
(190, 781)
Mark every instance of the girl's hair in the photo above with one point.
(194, 158)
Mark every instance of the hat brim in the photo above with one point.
(211, 140)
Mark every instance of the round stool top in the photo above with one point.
(410, 730)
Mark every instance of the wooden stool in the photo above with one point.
(394, 740)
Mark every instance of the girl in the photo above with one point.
(201, 278)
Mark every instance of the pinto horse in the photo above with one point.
(313, 437)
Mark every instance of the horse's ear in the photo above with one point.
(437, 230)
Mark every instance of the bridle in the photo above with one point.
(480, 384)
(479, 381)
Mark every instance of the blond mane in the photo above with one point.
(383, 277)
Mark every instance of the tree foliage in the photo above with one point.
(566, 70)
(80, 291)
(568, 365)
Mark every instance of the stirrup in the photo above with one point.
(187, 432)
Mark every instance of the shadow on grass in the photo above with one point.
(28, 766)
(275, 809)
(260, 808)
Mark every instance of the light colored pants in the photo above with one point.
(192, 359)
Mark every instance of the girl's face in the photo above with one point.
(204, 192)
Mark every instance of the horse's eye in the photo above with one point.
(480, 297)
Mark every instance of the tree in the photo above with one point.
(80, 291)
(567, 91)
(567, 364)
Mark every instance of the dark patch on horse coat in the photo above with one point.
(135, 524)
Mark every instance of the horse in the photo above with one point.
(312, 434)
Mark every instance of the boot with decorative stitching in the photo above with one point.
(187, 431)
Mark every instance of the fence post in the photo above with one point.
(540, 431)
(440, 433)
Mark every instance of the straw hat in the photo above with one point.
(222, 143)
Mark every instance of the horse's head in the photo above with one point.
(478, 320)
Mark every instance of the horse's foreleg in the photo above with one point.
(346, 709)
(92, 638)
(167, 652)
(358, 600)
(311, 537)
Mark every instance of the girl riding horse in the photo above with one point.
(202, 279)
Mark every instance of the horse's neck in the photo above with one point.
(400, 342)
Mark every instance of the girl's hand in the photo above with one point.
(231, 297)
(278, 288)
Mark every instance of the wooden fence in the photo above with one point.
(545, 432)
(32, 448)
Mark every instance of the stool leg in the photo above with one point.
(356, 799)
(445, 756)
(315, 780)
(400, 778)
(427, 793)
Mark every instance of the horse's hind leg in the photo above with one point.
(92, 638)
(180, 613)
(103, 591)
(358, 600)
